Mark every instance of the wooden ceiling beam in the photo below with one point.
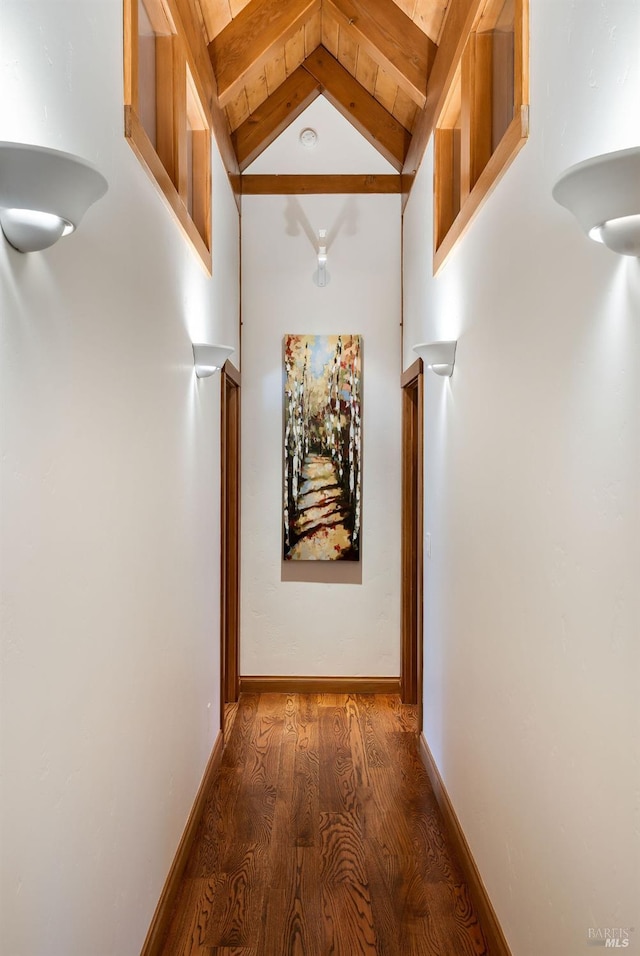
(248, 41)
(273, 116)
(351, 99)
(430, 16)
(305, 185)
(460, 19)
(391, 37)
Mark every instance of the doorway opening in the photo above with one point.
(230, 540)
(412, 536)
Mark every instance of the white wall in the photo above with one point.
(109, 508)
(532, 478)
(320, 618)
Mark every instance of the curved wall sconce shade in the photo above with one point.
(603, 193)
(44, 193)
(440, 357)
(209, 358)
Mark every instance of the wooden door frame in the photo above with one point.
(229, 536)
(412, 590)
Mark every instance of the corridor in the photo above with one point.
(321, 835)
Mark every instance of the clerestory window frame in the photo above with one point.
(175, 149)
(475, 141)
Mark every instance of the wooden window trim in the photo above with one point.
(165, 163)
(480, 168)
(509, 147)
(200, 160)
(167, 56)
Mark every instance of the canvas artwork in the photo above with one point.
(322, 447)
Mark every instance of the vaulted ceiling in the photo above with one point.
(370, 58)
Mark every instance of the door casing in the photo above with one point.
(412, 592)
(230, 537)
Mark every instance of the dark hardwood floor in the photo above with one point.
(322, 836)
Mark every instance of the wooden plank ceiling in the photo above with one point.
(370, 58)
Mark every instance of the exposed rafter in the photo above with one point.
(266, 123)
(351, 99)
(378, 64)
(457, 26)
(248, 41)
(391, 38)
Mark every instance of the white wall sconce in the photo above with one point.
(321, 276)
(603, 193)
(440, 357)
(209, 358)
(44, 194)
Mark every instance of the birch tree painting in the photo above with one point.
(322, 448)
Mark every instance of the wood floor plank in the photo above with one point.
(237, 908)
(357, 742)
(422, 816)
(211, 840)
(230, 711)
(212, 836)
(469, 935)
(337, 782)
(253, 815)
(262, 755)
(288, 744)
(383, 873)
(321, 836)
(346, 901)
(235, 746)
(306, 780)
(406, 716)
(228, 951)
(374, 740)
(254, 806)
(291, 716)
(282, 839)
(420, 938)
(195, 904)
(293, 914)
(448, 926)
